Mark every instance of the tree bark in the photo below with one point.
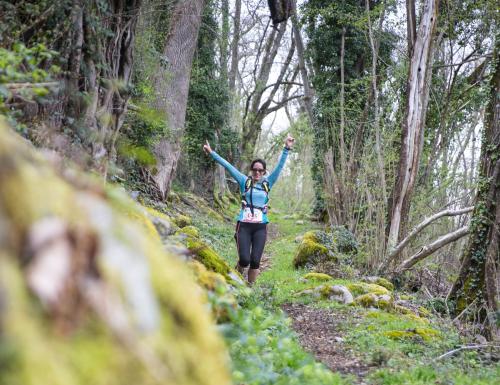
(171, 85)
(478, 277)
(234, 47)
(413, 126)
(308, 91)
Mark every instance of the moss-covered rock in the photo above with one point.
(116, 309)
(426, 334)
(206, 278)
(310, 251)
(212, 261)
(381, 282)
(182, 221)
(221, 299)
(358, 288)
(318, 247)
(162, 222)
(191, 231)
(366, 300)
(317, 277)
(336, 293)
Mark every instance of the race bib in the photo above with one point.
(248, 217)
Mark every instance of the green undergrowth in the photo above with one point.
(263, 348)
(398, 348)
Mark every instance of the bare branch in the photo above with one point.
(422, 225)
(282, 103)
(431, 248)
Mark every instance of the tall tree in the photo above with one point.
(95, 42)
(207, 112)
(478, 280)
(417, 91)
(171, 86)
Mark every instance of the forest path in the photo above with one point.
(321, 332)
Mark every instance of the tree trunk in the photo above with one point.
(308, 91)
(478, 277)
(413, 126)
(234, 47)
(171, 85)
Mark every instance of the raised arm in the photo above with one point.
(240, 178)
(273, 177)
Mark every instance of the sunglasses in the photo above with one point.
(261, 170)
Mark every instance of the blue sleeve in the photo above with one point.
(238, 176)
(273, 177)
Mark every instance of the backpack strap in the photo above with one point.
(248, 187)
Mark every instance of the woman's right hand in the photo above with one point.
(207, 148)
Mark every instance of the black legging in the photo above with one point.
(250, 236)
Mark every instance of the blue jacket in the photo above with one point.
(259, 196)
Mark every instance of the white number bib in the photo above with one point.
(249, 218)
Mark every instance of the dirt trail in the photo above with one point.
(320, 331)
(321, 335)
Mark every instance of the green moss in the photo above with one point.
(385, 283)
(309, 251)
(325, 291)
(366, 300)
(205, 278)
(427, 334)
(311, 236)
(208, 257)
(402, 309)
(317, 277)
(423, 312)
(359, 288)
(85, 346)
(192, 231)
(384, 304)
(182, 221)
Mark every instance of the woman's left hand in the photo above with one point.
(289, 141)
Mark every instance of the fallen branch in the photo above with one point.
(431, 248)
(469, 347)
(397, 250)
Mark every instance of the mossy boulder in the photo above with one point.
(96, 300)
(317, 277)
(383, 301)
(381, 282)
(191, 231)
(358, 288)
(366, 300)
(336, 293)
(212, 261)
(318, 247)
(182, 221)
(310, 251)
(206, 278)
(425, 334)
(163, 223)
(221, 299)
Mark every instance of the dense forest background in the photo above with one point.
(395, 107)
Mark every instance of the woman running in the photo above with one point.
(251, 228)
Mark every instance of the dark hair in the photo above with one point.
(258, 161)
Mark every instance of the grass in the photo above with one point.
(380, 339)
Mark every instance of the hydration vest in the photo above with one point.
(249, 186)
